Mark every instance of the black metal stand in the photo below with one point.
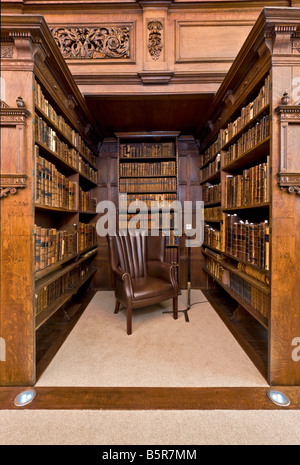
(185, 311)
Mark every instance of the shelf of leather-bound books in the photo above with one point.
(50, 123)
(245, 262)
(255, 313)
(49, 269)
(212, 247)
(44, 315)
(211, 177)
(247, 207)
(149, 176)
(249, 157)
(149, 159)
(263, 112)
(86, 159)
(210, 160)
(54, 209)
(55, 158)
(87, 182)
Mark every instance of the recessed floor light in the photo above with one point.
(25, 397)
(278, 398)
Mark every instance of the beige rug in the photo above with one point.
(149, 427)
(160, 352)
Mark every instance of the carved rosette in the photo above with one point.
(287, 178)
(10, 183)
(93, 42)
(155, 44)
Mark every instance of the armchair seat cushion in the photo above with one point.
(149, 287)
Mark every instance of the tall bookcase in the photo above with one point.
(48, 150)
(250, 180)
(148, 171)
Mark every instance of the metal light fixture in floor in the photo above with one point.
(278, 398)
(25, 397)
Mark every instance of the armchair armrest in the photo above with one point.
(121, 274)
(162, 270)
(123, 288)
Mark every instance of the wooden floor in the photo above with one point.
(51, 336)
(120, 398)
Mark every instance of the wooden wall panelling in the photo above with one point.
(285, 293)
(270, 47)
(107, 190)
(27, 50)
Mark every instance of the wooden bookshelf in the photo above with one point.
(56, 159)
(164, 161)
(264, 263)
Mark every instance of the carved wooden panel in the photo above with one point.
(101, 42)
(209, 41)
(289, 174)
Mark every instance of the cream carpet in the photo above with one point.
(161, 351)
(86, 427)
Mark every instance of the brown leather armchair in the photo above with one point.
(141, 276)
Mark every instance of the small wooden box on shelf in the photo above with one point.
(49, 243)
(251, 222)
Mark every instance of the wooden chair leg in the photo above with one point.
(175, 308)
(117, 307)
(129, 320)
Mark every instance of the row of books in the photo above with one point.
(164, 200)
(44, 104)
(251, 294)
(248, 241)
(52, 188)
(154, 220)
(248, 113)
(171, 255)
(148, 185)
(86, 201)
(48, 294)
(213, 237)
(53, 246)
(164, 149)
(85, 151)
(217, 270)
(164, 168)
(211, 169)
(254, 273)
(249, 188)
(213, 214)
(87, 170)
(248, 140)
(87, 236)
(211, 193)
(46, 135)
(73, 136)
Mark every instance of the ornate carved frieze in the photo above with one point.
(289, 171)
(155, 43)
(6, 51)
(13, 122)
(102, 42)
(10, 183)
(296, 43)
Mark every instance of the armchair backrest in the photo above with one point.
(131, 253)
